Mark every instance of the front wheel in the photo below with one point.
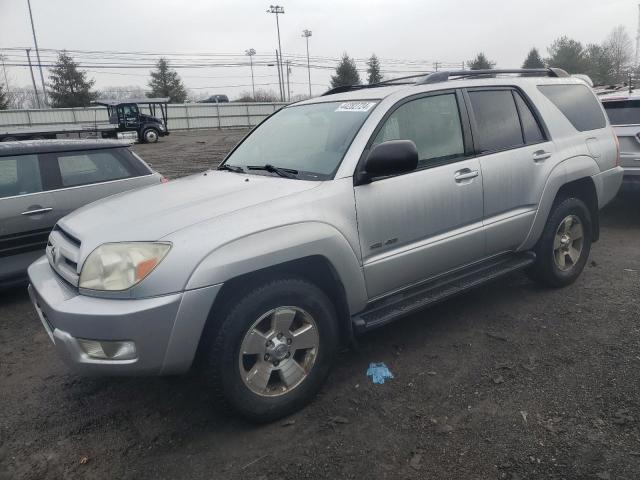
(150, 135)
(274, 349)
(563, 248)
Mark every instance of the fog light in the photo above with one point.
(108, 350)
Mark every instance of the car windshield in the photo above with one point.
(623, 112)
(311, 139)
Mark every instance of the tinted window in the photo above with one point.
(81, 168)
(497, 123)
(577, 103)
(19, 175)
(432, 123)
(623, 112)
(530, 127)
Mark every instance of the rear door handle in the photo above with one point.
(466, 174)
(540, 155)
(37, 211)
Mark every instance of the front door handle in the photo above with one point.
(466, 174)
(540, 155)
(37, 211)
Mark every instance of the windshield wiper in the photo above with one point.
(283, 172)
(231, 168)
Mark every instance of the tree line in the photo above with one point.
(608, 62)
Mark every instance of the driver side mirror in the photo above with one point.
(391, 158)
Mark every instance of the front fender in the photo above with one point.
(275, 246)
(574, 168)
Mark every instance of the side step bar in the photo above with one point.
(416, 298)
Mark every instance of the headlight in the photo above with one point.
(119, 266)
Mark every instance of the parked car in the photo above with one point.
(42, 181)
(215, 99)
(335, 216)
(623, 110)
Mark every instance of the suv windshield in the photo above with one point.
(625, 112)
(311, 139)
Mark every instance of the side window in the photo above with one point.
(578, 104)
(432, 123)
(530, 126)
(19, 175)
(82, 168)
(497, 122)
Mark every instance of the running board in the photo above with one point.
(416, 298)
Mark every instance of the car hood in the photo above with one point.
(150, 213)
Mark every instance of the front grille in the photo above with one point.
(63, 251)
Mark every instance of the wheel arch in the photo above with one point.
(570, 177)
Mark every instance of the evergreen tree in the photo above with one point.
(533, 60)
(346, 73)
(599, 65)
(4, 100)
(567, 54)
(68, 86)
(165, 82)
(373, 70)
(481, 62)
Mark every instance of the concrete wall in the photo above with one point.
(180, 116)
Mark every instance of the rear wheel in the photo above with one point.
(274, 349)
(563, 248)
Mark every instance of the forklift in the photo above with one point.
(128, 117)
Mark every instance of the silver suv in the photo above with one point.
(335, 216)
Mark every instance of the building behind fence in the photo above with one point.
(179, 116)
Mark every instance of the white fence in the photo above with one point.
(179, 116)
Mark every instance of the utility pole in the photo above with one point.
(277, 9)
(33, 79)
(35, 42)
(280, 79)
(251, 52)
(288, 86)
(637, 57)
(306, 34)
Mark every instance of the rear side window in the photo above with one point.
(625, 112)
(432, 123)
(578, 104)
(82, 168)
(19, 175)
(530, 127)
(496, 119)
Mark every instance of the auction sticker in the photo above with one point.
(355, 106)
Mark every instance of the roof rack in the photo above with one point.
(443, 76)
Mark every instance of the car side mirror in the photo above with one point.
(391, 158)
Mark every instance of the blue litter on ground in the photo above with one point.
(378, 373)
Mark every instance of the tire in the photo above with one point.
(150, 135)
(563, 248)
(253, 384)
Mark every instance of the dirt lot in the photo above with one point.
(510, 381)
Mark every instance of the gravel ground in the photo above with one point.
(510, 381)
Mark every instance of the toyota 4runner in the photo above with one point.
(336, 215)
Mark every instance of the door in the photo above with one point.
(417, 225)
(516, 158)
(27, 214)
(128, 116)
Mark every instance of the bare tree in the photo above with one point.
(261, 96)
(119, 93)
(619, 48)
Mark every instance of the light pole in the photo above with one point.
(250, 53)
(33, 79)
(277, 9)
(306, 34)
(35, 42)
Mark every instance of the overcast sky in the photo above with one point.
(418, 30)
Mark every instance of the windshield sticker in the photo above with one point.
(355, 106)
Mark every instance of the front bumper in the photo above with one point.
(166, 330)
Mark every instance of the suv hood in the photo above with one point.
(150, 213)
